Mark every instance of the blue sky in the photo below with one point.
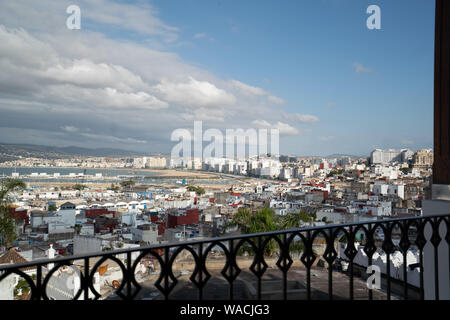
(306, 53)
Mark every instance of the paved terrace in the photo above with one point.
(217, 287)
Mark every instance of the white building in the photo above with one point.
(389, 189)
(379, 156)
(156, 162)
(270, 172)
(389, 172)
(68, 213)
(286, 173)
(147, 233)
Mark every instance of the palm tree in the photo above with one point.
(7, 222)
(291, 220)
(10, 185)
(294, 220)
(263, 220)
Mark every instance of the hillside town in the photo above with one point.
(70, 219)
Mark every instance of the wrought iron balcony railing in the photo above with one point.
(423, 235)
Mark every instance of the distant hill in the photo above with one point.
(341, 155)
(14, 151)
(333, 156)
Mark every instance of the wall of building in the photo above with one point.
(191, 217)
(149, 235)
(433, 207)
(86, 244)
(7, 286)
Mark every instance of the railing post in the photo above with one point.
(330, 248)
(39, 288)
(352, 240)
(284, 254)
(166, 273)
(370, 249)
(404, 245)
(259, 258)
(86, 279)
(202, 263)
(128, 275)
(233, 260)
(388, 248)
(308, 267)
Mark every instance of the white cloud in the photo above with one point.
(199, 35)
(255, 91)
(304, 118)
(105, 97)
(195, 93)
(86, 73)
(21, 48)
(78, 81)
(140, 18)
(247, 89)
(276, 100)
(204, 114)
(69, 128)
(285, 129)
(261, 123)
(93, 79)
(360, 68)
(112, 138)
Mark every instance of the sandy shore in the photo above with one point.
(158, 172)
(104, 186)
(180, 173)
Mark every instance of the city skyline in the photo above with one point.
(135, 72)
(82, 152)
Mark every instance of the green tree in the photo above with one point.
(52, 207)
(291, 220)
(305, 216)
(263, 220)
(78, 187)
(21, 284)
(7, 222)
(335, 172)
(405, 170)
(127, 183)
(196, 189)
(78, 228)
(294, 220)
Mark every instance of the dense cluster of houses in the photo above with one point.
(53, 222)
